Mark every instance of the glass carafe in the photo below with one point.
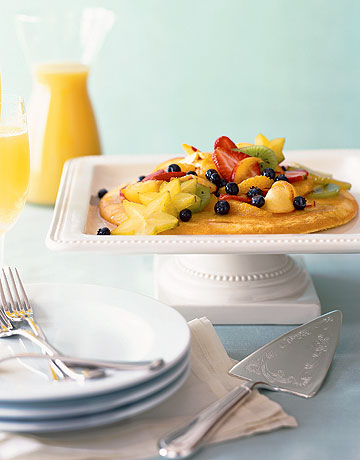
(60, 49)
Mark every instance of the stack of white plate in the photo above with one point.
(92, 322)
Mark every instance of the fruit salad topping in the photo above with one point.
(209, 182)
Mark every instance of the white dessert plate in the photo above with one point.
(76, 217)
(93, 404)
(97, 419)
(96, 322)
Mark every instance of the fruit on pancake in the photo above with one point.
(310, 171)
(281, 177)
(207, 183)
(267, 156)
(131, 192)
(276, 145)
(258, 201)
(161, 174)
(185, 215)
(103, 231)
(239, 145)
(241, 198)
(225, 160)
(172, 186)
(174, 206)
(224, 142)
(203, 193)
(189, 186)
(324, 191)
(261, 182)
(280, 198)
(268, 172)
(190, 149)
(146, 220)
(254, 191)
(295, 175)
(164, 165)
(300, 203)
(248, 167)
(222, 207)
(327, 180)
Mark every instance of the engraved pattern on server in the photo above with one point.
(261, 367)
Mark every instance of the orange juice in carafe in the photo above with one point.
(62, 125)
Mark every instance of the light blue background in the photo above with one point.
(189, 71)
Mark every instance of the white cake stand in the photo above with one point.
(231, 279)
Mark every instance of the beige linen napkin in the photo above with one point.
(136, 438)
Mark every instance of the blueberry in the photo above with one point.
(141, 178)
(215, 179)
(254, 191)
(281, 177)
(209, 172)
(231, 188)
(174, 168)
(258, 201)
(223, 182)
(269, 172)
(185, 215)
(217, 194)
(102, 192)
(222, 207)
(103, 231)
(193, 173)
(299, 203)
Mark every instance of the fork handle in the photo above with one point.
(51, 351)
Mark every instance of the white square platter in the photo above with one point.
(231, 279)
(76, 220)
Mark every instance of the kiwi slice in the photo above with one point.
(267, 155)
(202, 198)
(324, 191)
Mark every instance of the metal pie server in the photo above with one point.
(296, 363)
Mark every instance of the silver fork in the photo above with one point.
(19, 310)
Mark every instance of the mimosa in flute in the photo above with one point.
(14, 162)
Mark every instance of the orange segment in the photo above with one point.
(261, 182)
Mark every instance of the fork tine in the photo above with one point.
(4, 320)
(23, 292)
(16, 292)
(3, 298)
(11, 299)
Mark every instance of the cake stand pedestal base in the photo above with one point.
(237, 289)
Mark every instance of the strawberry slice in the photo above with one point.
(242, 198)
(296, 175)
(225, 160)
(224, 142)
(161, 174)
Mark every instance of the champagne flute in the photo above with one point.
(14, 162)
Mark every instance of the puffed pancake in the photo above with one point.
(237, 189)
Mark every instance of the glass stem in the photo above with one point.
(2, 239)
